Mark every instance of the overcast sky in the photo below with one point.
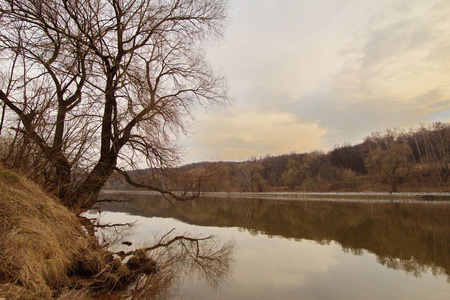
(311, 74)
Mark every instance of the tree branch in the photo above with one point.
(184, 196)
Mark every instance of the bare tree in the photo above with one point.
(250, 175)
(97, 82)
(389, 163)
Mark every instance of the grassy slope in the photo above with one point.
(41, 242)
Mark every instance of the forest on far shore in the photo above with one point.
(392, 160)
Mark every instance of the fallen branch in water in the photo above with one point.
(114, 200)
(114, 225)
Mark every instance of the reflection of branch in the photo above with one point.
(184, 196)
(176, 257)
(160, 244)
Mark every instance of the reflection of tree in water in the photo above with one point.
(410, 266)
(418, 233)
(354, 251)
(171, 258)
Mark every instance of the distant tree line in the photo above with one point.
(392, 160)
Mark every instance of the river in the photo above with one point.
(282, 249)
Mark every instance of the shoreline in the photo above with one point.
(403, 197)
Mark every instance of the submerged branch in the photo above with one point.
(114, 225)
(114, 200)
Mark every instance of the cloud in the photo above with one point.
(285, 48)
(238, 135)
(397, 77)
(313, 74)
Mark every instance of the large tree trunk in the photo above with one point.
(63, 179)
(85, 196)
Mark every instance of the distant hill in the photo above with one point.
(392, 160)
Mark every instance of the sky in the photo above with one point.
(308, 75)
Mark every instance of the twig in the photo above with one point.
(114, 200)
(114, 225)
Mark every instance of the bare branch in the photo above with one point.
(186, 195)
(98, 83)
(114, 225)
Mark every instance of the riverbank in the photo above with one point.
(332, 196)
(46, 251)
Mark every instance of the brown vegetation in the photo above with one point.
(416, 161)
(36, 259)
(95, 84)
(46, 252)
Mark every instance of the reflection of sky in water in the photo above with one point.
(279, 268)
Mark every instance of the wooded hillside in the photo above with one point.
(392, 160)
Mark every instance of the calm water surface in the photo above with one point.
(304, 249)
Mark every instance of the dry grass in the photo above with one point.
(41, 242)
